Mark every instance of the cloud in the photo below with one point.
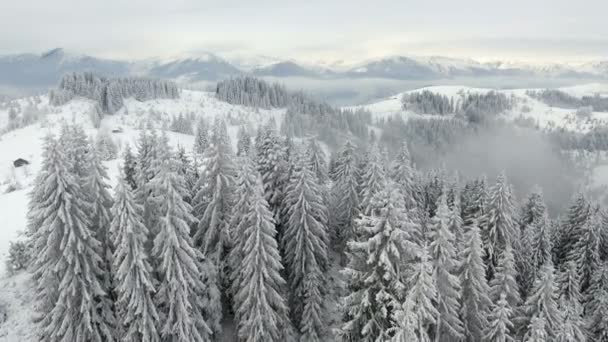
(337, 29)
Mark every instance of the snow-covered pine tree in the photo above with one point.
(597, 305)
(404, 174)
(77, 146)
(537, 332)
(214, 199)
(373, 180)
(129, 168)
(573, 325)
(100, 203)
(105, 146)
(475, 298)
(456, 223)
(261, 310)
(445, 269)
(474, 198)
(374, 273)
(344, 201)
(504, 281)
(500, 325)
(132, 273)
(317, 160)
(541, 304)
(414, 319)
(69, 264)
(188, 171)
(535, 245)
(245, 184)
(537, 238)
(586, 250)
(273, 167)
(306, 245)
(498, 223)
(243, 142)
(181, 292)
(534, 208)
(201, 137)
(571, 230)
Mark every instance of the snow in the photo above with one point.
(542, 114)
(16, 294)
(16, 300)
(26, 142)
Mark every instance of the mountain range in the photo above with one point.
(40, 71)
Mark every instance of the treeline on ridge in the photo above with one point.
(110, 92)
(304, 115)
(474, 106)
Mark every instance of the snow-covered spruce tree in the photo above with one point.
(414, 319)
(445, 270)
(573, 325)
(474, 196)
(475, 299)
(243, 142)
(214, 199)
(317, 160)
(571, 230)
(504, 281)
(201, 137)
(181, 292)
(373, 179)
(498, 223)
(537, 331)
(273, 167)
(147, 153)
(100, 203)
(373, 275)
(500, 324)
(69, 264)
(245, 184)
(534, 208)
(456, 223)
(597, 306)
(105, 146)
(535, 245)
(129, 168)
(261, 310)
(132, 273)
(586, 250)
(541, 304)
(306, 243)
(77, 146)
(536, 239)
(344, 200)
(404, 174)
(188, 171)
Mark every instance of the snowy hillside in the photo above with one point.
(25, 142)
(527, 107)
(125, 126)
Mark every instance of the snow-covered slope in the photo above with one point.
(26, 143)
(527, 107)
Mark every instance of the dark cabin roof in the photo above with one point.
(20, 162)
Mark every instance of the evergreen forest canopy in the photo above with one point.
(290, 246)
(394, 235)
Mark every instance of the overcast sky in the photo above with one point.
(541, 30)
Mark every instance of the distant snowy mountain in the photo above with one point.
(287, 69)
(37, 72)
(207, 66)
